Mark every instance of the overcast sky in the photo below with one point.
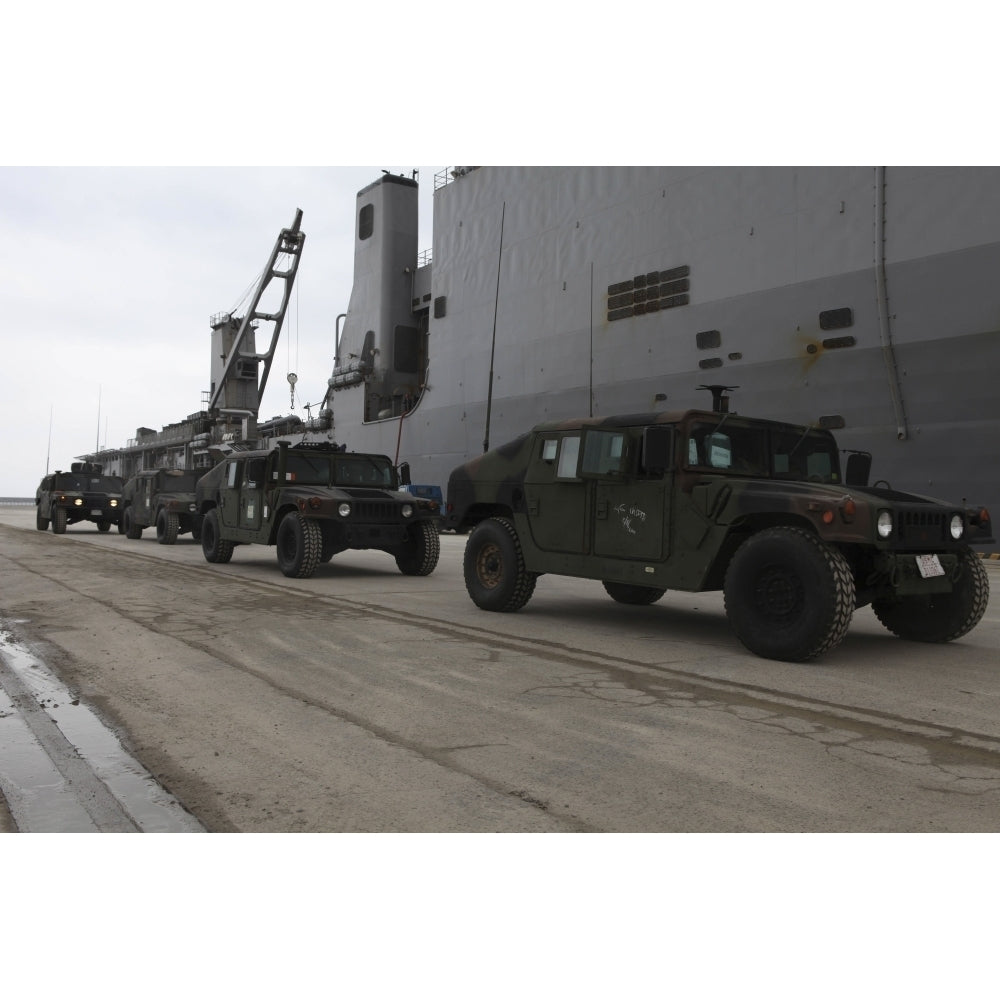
(110, 276)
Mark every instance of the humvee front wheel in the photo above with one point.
(103, 526)
(495, 576)
(788, 595)
(630, 593)
(41, 523)
(940, 617)
(214, 547)
(132, 530)
(418, 556)
(59, 521)
(167, 526)
(299, 543)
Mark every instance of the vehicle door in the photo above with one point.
(229, 504)
(629, 472)
(252, 493)
(140, 501)
(555, 495)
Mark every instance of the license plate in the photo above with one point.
(929, 566)
(96, 513)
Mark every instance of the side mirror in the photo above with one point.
(657, 448)
(404, 474)
(255, 471)
(859, 466)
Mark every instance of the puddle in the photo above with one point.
(61, 769)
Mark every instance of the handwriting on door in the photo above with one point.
(632, 517)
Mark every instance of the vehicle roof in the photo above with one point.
(666, 417)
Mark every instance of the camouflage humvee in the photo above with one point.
(311, 501)
(82, 494)
(161, 497)
(702, 500)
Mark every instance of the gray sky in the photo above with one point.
(110, 276)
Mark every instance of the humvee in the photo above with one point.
(161, 497)
(311, 501)
(710, 500)
(82, 494)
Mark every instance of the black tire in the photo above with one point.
(788, 595)
(940, 617)
(132, 530)
(632, 593)
(103, 526)
(214, 547)
(419, 556)
(41, 523)
(167, 526)
(495, 576)
(59, 521)
(299, 543)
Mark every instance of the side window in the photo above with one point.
(231, 471)
(366, 221)
(569, 453)
(549, 448)
(719, 451)
(603, 453)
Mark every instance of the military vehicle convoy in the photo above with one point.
(164, 498)
(82, 494)
(311, 501)
(710, 500)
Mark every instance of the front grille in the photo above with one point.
(923, 527)
(374, 510)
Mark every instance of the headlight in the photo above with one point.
(884, 524)
(193, 508)
(78, 502)
(344, 509)
(112, 503)
(407, 510)
(957, 526)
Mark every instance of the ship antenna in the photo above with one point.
(48, 452)
(493, 345)
(720, 402)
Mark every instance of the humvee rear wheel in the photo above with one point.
(59, 521)
(167, 526)
(132, 530)
(940, 617)
(788, 595)
(299, 543)
(41, 523)
(419, 554)
(215, 548)
(495, 576)
(103, 526)
(630, 593)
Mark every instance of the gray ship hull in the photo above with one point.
(772, 255)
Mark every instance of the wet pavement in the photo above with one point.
(61, 769)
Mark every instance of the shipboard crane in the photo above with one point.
(237, 381)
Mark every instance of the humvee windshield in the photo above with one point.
(177, 481)
(774, 452)
(347, 470)
(83, 483)
(363, 470)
